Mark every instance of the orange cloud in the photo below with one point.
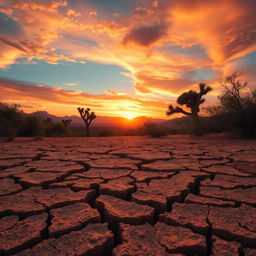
(60, 102)
(71, 12)
(111, 92)
(72, 84)
(39, 25)
(50, 6)
(225, 28)
(93, 13)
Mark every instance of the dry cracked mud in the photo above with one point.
(128, 196)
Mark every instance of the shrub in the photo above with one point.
(32, 127)
(153, 130)
(236, 111)
(11, 120)
(52, 129)
(104, 133)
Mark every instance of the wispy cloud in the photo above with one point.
(114, 93)
(72, 84)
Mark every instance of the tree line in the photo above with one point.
(14, 122)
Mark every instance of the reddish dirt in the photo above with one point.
(128, 196)
(72, 217)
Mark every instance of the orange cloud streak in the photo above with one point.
(56, 100)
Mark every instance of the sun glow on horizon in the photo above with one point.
(130, 116)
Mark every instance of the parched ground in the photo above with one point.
(128, 196)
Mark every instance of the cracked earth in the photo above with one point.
(128, 196)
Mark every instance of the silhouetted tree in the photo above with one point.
(232, 97)
(87, 118)
(14, 122)
(11, 120)
(237, 106)
(66, 122)
(191, 100)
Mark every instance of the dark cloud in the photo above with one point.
(8, 26)
(145, 35)
(13, 43)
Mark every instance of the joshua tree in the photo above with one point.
(192, 100)
(87, 118)
(66, 122)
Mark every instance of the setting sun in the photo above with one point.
(129, 117)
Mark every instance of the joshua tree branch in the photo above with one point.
(177, 109)
(204, 89)
(66, 122)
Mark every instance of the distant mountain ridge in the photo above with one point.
(100, 121)
(120, 122)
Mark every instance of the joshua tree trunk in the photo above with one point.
(197, 125)
(87, 131)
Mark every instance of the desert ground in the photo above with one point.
(128, 196)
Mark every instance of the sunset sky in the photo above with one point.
(121, 57)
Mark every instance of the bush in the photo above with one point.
(104, 133)
(32, 127)
(153, 130)
(237, 109)
(11, 120)
(51, 129)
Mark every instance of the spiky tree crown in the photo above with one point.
(66, 122)
(190, 99)
(86, 115)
